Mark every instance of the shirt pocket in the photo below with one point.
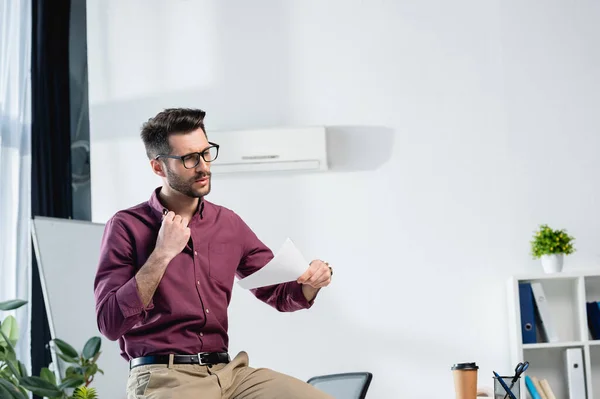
(223, 261)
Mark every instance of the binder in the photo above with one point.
(528, 327)
(593, 319)
(546, 322)
(575, 373)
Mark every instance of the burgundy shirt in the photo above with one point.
(188, 313)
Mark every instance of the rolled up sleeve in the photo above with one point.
(285, 297)
(118, 304)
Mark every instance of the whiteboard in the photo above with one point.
(67, 253)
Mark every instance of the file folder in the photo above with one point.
(593, 319)
(575, 373)
(546, 321)
(528, 327)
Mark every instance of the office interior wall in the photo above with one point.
(491, 109)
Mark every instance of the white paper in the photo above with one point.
(287, 265)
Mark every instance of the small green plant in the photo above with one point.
(15, 382)
(547, 241)
(85, 393)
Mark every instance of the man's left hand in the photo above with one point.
(317, 276)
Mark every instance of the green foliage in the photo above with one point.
(12, 304)
(15, 382)
(85, 393)
(10, 329)
(547, 241)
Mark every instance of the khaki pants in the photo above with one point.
(235, 380)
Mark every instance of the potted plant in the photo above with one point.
(551, 246)
(15, 382)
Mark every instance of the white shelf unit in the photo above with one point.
(567, 295)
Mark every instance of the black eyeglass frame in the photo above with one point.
(201, 154)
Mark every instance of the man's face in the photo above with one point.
(193, 182)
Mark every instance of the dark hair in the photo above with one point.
(156, 131)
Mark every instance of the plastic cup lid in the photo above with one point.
(465, 366)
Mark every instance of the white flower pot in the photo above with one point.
(553, 263)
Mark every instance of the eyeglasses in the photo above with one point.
(192, 159)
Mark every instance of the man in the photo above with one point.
(166, 272)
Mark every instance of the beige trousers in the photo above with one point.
(235, 380)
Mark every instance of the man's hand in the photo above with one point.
(316, 277)
(173, 235)
(172, 238)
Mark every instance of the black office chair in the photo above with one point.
(345, 385)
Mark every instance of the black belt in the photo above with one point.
(203, 358)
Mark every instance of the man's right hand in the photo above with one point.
(173, 235)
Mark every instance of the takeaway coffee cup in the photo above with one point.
(465, 380)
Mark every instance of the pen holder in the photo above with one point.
(501, 393)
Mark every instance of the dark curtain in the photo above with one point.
(51, 193)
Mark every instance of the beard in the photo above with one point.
(186, 186)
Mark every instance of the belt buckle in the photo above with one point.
(200, 358)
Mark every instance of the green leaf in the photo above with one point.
(11, 356)
(66, 349)
(40, 387)
(5, 393)
(95, 358)
(12, 390)
(47, 375)
(23, 370)
(10, 348)
(71, 382)
(74, 371)
(13, 365)
(68, 359)
(6, 374)
(92, 369)
(91, 348)
(85, 393)
(10, 329)
(12, 304)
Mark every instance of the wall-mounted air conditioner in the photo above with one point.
(272, 149)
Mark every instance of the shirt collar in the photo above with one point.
(157, 206)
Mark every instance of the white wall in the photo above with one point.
(492, 108)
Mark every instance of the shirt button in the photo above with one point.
(198, 282)
(207, 311)
(196, 253)
(202, 334)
